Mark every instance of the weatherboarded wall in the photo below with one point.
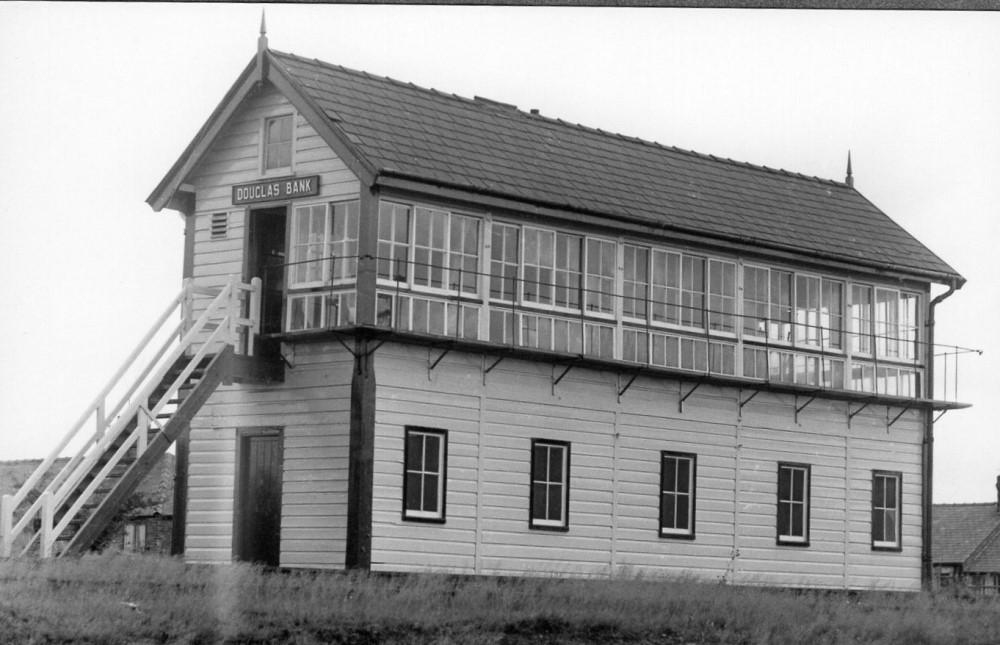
(313, 408)
(234, 158)
(615, 475)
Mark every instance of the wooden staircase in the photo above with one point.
(65, 511)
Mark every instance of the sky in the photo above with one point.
(101, 99)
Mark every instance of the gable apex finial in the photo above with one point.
(262, 50)
(849, 180)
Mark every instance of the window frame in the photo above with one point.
(885, 545)
(328, 268)
(263, 156)
(788, 539)
(545, 524)
(672, 532)
(419, 515)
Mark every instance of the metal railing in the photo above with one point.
(815, 347)
(103, 423)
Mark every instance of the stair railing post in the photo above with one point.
(187, 306)
(45, 545)
(233, 310)
(142, 427)
(6, 525)
(256, 289)
(99, 421)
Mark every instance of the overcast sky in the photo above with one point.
(100, 100)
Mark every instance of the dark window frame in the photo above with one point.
(675, 534)
(898, 546)
(408, 514)
(787, 539)
(532, 521)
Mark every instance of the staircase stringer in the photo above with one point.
(217, 371)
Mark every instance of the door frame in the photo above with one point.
(242, 435)
(251, 242)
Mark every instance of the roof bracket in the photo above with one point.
(373, 349)
(487, 370)
(623, 390)
(800, 408)
(851, 415)
(889, 423)
(556, 379)
(680, 404)
(432, 364)
(748, 399)
(345, 345)
(940, 415)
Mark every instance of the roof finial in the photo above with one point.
(262, 49)
(850, 177)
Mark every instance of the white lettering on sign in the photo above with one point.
(283, 188)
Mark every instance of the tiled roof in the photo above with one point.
(478, 145)
(959, 530)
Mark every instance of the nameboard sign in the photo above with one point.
(271, 190)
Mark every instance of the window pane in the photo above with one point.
(432, 453)
(555, 472)
(797, 520)
(784, 519)
(668, 520)
(784, 484)
(414, 494)
(538, 501)
(683, 511)
(670, 474)
(683, 475)
(555, 500)
(431, 492)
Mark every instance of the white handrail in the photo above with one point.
(224, 311)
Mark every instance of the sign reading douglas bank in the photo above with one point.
(271, 190)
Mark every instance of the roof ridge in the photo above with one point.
(508, 108)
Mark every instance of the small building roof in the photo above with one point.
(967, 534)
(398, 130)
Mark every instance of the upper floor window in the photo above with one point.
(886, 519)
(722, 296)
(278, 142)
(677, 494)
(602, 258)
(425, 473)
(635, 282)
(324, 244)
(678, 289)
(504, 261)
(793, 504)
(549, 484)
(393, 241)
(551, 268)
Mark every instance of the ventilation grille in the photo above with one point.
(220, 225)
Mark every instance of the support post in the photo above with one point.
(6, 524)
(256, 288)
(179, 522)
(361, 460)
(46, 538)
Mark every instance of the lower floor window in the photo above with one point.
(549, 484)
(425, 473)
(793, 504)
(886, 498)
(677, 494)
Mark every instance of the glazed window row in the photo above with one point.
(454, 274)
(548, 491)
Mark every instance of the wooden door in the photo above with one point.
(259, 516)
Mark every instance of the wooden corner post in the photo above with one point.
(361, 467)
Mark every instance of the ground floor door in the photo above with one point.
(258, 527)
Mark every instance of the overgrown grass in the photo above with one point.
(142, 599)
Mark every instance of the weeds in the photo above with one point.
(143, 599)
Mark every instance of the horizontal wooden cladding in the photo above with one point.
(313, 407)
(615, 476)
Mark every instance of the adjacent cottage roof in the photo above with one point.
(399, 130)
(967, 534)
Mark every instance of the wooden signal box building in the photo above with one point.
(493, 342)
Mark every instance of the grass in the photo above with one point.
(143, 599)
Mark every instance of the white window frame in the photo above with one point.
(792, 502)
(503, 263)
(265, 121)
(545, 522)
(421, 514)
(897, 522)
(393, 244)
(691, 494)
(599, 294)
